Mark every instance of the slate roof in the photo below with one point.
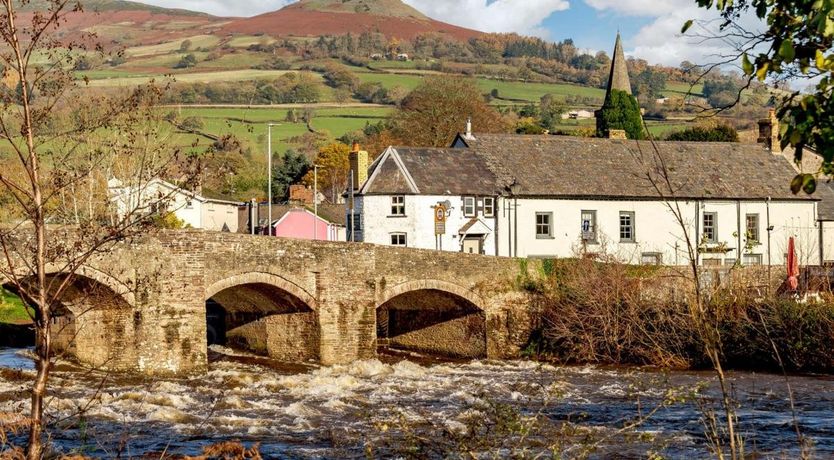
(595, 167)
(432, 171)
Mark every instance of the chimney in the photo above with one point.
(769, 132)
(468, 134)
(617, 134)
(359, 163)
(301, 194)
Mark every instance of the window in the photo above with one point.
(710, 226)
(354, 233)
(397, 205)
(651, 258)
(189, 204)
(589, 226)
(469, 206)
(398, 239)
(752, 259)
(489, 207)
(627, 227)
(544, 224)
(752, 221)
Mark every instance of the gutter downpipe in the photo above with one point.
(698, 233)
(738, 232)
(769, 230)
(515, 226)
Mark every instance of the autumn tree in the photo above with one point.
(65, 153)
(795, 42)
(432, 114)
(333, 170)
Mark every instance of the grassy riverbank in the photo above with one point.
(611, 314)
(12, 309)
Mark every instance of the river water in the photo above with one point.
(396, 407)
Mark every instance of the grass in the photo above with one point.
(243, 41)
(388, 80)
(681, 88)
(12, 309)
(197, 41)
(534, 91)
(194, 77)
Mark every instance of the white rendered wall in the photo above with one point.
(418, 223)
(214, 215)
(658, 231)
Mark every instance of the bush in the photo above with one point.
(621, 112)
(186, 62)
(720, 132)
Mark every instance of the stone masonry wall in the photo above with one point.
(165, 279)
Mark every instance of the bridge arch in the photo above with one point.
(93, 318)
(263, 313)
(262, 278)
(432, 316)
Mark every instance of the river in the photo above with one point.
(397, 406)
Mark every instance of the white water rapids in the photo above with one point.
(376, 408)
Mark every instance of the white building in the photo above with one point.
(558, 196)
(195, 210)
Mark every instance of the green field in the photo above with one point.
(534, 91)
(197, 41)
(12, 309)
(681, 88)
(659, 129)
(192, 77)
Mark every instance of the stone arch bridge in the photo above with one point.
(152, 305)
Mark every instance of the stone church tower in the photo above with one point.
(617, 79)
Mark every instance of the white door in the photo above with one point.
(472, 245)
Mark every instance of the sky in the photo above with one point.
(650, 28)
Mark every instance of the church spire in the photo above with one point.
(618, 78)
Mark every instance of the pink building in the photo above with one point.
(303, 224)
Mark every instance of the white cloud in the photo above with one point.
(661, 41)
(521, 16)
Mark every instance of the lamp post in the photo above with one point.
(316, 200)
(269, 174)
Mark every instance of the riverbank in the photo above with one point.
(595, 313)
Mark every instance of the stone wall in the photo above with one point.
(159, 284)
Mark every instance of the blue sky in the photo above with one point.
(650, 28)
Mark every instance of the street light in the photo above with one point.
(269, 173)
(316, 200)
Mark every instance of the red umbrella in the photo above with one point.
(793, 265)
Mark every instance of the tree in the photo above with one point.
(621, 112)
(437, 110)
(334, 169)
(796, 41)
(550, 111)
(185, 46)
(62, 154)
(188, 61)
(718, 132)
(291, 170)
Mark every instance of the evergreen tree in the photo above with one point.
(288, 172)
(620, 112)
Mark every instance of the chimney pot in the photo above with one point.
(355, 147)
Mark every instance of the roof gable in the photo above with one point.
(389, 175)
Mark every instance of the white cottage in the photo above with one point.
(195, 210)
(558, 196)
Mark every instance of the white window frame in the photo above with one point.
(469, 203)
(396, 243)
(656, 258)
(397, 206)
(753, 237)
(548, 225)
(590, 235)
(489, 209)
(712, 239)
(631, 227)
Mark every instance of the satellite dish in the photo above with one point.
(447, 204)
